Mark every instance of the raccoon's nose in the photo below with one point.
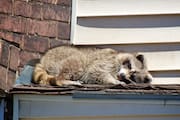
(147, 80)
(122, 75)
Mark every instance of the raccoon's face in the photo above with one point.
(133, 69)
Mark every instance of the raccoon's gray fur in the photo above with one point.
(68, 65)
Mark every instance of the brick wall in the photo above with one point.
(27, 29)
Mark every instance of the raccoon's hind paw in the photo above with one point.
(67, 82)
(78, 83)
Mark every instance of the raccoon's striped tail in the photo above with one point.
(40, 76)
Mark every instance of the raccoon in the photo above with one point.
(67, 65)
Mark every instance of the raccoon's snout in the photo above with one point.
(123, 77)
(141, 78)
(147, 80)
(134, 78)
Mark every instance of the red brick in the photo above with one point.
(9, 55)
(25, 56)
(11, 79)
(35, 44)
(63, 30)
(48, 1)
(64, 2)
(14, 57)
(7, 78)
(55, 43)
(27, 9)
(4, 53)
(19, 25)
(60, 2)
(6, 6)
(56, 12)
(1, 50)
(43, 28)
(3, 81)
(11, 37)
(13, 23)
(5, 22)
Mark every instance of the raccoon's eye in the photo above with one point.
(127, 63)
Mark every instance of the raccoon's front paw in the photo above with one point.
(79, 83)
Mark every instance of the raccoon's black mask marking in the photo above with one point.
(134, 70)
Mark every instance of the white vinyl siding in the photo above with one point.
(125, 21)
(151, 27)
(87, 8)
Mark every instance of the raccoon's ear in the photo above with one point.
(140, 57)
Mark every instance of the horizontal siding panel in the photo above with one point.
(163, 60)
(166, 77)
(166, 80)
(127, 30)
(145, 48)
(90, 36)
(126, 7)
